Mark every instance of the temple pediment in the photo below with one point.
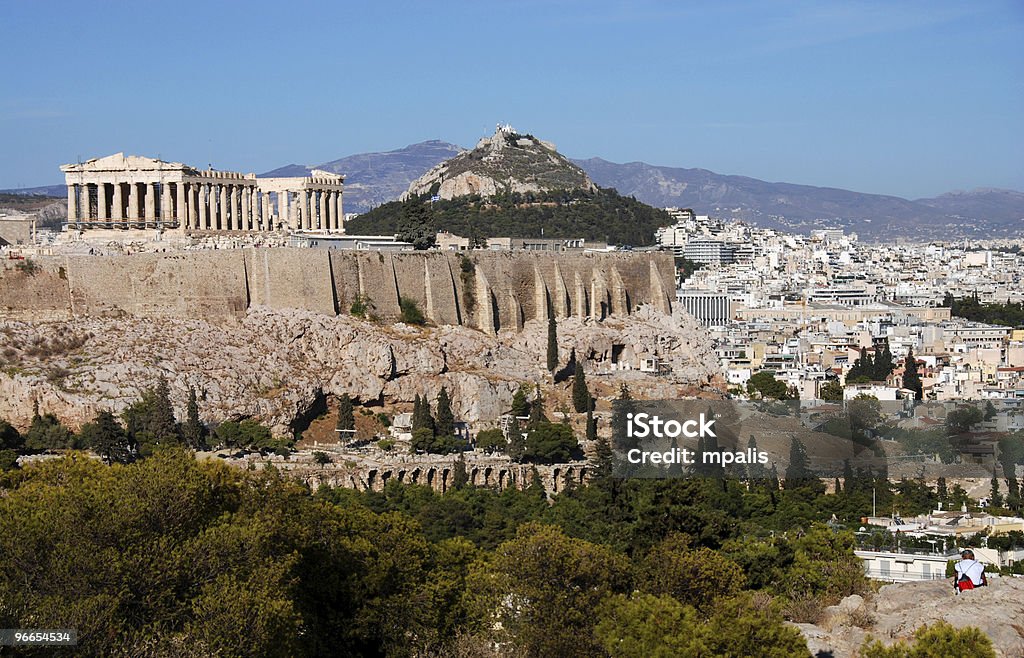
(122, 162)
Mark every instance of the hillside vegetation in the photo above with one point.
(604, 215)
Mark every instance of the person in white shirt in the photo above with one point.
(969, 572)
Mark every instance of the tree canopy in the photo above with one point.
(604, 216)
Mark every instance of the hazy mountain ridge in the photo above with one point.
(376, 178)
(980, 213)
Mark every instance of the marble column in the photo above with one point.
(117, 206)
(333, 207)
(303, 218)
(218, 194)
(259, 209)
(227, 208)
(71, 203)
(180, 210)
(203, 221)
(165, 203)
(247, 202)
(84, 201)
(222, 207)
(150, 202)
(236, 208)
(282, 208)
(192, 198)
(101, 202)
(212, 198)
(133, 201)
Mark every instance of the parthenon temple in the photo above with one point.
(131, 191)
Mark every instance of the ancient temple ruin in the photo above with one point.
(136, 192)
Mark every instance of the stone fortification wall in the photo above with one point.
(283, 278)
(181, 285)
(38, 290)
(487, 290)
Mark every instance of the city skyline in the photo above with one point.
(913, 100)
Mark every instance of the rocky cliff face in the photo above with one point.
(896, 611)
(505, 162)
(278, 366)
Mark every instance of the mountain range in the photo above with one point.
(984, 213)
(376, 178)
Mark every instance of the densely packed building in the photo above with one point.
(807, 306)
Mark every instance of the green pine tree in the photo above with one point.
(105, 436)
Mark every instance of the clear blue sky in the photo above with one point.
(905, 98)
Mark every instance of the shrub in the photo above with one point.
(411, 313)
(361, 306)
(27, 267)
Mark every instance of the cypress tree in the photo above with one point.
(756, 471)
(417, 412)
(911, 378)
(580, 392)
(460, 476)
(798, 471)
(421, 416)
(883, 362)
(346, 413)
(163, 425)
(445, 419)
(591, 426)
(516, 443)
(193, 430)
(537, 412)
(602, 458)
(520, 405)
(621, 408)
(996, 497)
(552, 344)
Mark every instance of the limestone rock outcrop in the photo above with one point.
(897, 610)
(278, 366)
(505, 162)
